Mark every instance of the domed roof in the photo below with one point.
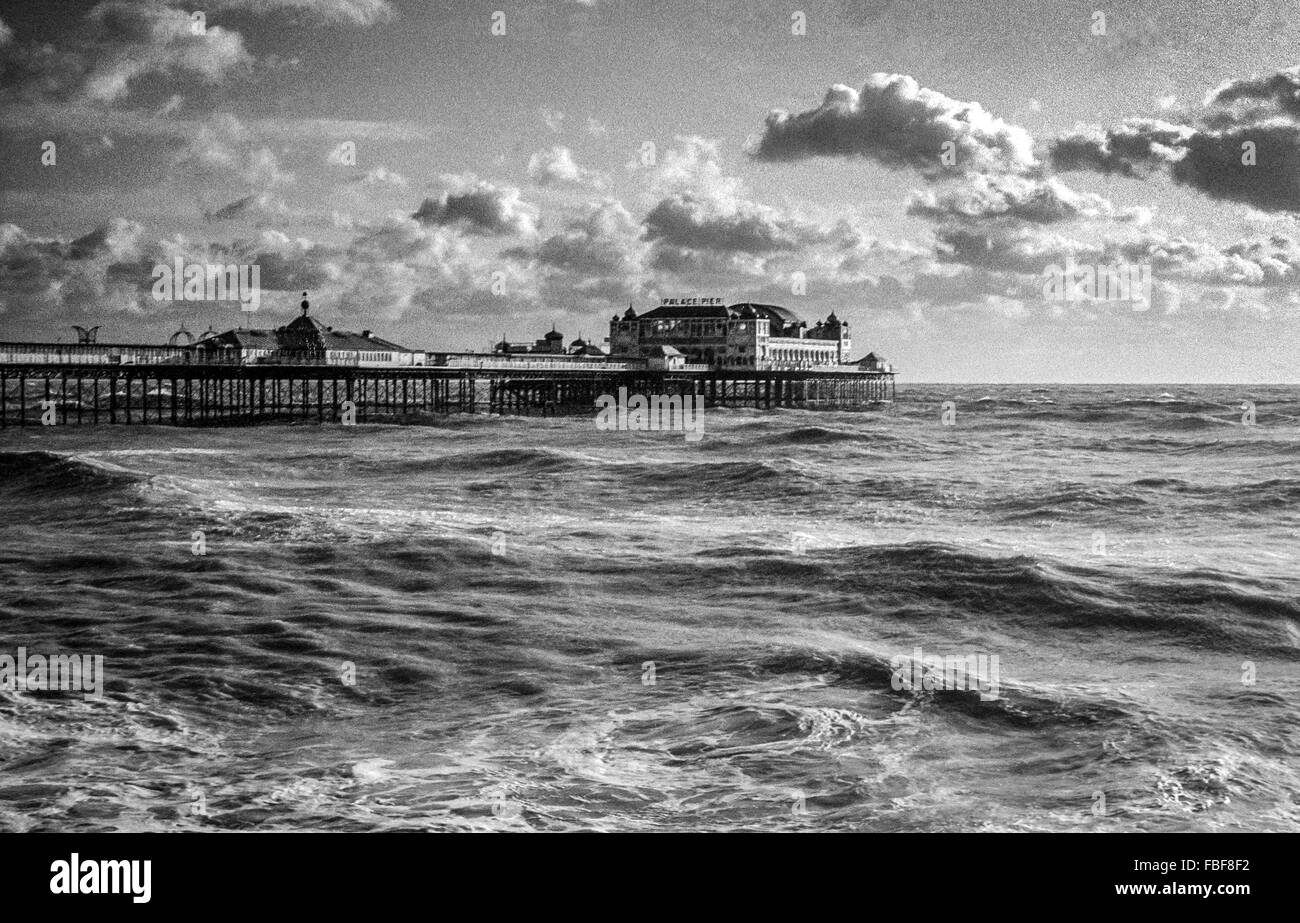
(181, 337)
(770, 311)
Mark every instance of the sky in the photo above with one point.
(449, 173)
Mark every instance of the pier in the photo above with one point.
(220, 394)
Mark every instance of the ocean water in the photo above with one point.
(529, 624)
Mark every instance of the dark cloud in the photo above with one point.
(1135, 148)
(1243, 145)
(1280, 91)
(1213, 164)
(482, 208)
(690, 221)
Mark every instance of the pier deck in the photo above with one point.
(206, 395)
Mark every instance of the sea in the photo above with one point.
(474, 623)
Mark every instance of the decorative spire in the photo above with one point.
(304, 304)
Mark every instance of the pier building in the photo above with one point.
(306, 341)
(761, 337)
(744, 355)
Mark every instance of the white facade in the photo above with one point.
(739, 337)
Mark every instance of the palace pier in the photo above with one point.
(205, 395)
(745, 355)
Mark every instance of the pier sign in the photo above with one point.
(691, 302)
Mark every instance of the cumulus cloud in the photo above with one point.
(1020, 249)
(701, 207)
(1025, 251)
(897, 122)
(1271, 262)
(1017, 198)
(117, 240)
(406, 266)
(121, 43)
(701, 227)
(605, 241)
(1214, 165)
(1279, 91)
(287, 264)
(223, 149)
(698, 223)
(693, 166)
(52, 279)
(480, 207)
(1135, 148)
(1243, 145)
(599, 255)
(556, 167)
(703, 224)
(157, 39)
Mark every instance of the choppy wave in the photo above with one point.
(23, 473)
(508, 624)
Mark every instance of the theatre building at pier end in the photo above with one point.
(762, 337)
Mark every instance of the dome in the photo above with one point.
(181, 337)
